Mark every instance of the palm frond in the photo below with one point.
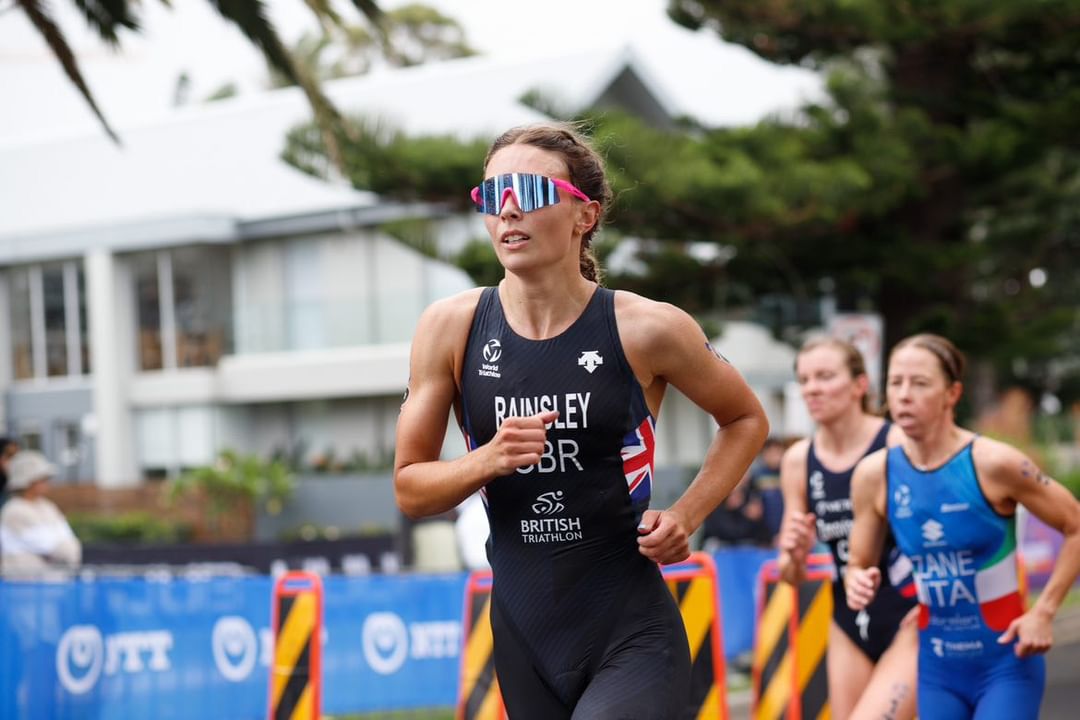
(370, 9)
(106, 17)
(375, 15)
(49, 30)
(250, 16)
(324, 13)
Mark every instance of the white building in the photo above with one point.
(188, 291)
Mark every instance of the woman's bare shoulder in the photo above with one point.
(451, 313)
(645, 322)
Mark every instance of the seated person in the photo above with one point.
(34, 535)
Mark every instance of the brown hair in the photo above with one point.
(950, 359)
(584, 164)
(853, 360)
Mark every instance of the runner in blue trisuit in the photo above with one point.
(950, 497)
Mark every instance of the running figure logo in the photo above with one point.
(548, 503)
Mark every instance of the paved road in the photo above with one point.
(1062, 698)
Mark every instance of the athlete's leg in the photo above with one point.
(1013, 690)
(945, 690)
(524, 692)
(645, 674)
(890, 693)
(849, 671)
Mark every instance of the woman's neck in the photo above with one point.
(847, 433)
(543, 308)
(934, 448)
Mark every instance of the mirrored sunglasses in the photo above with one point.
(530, 192)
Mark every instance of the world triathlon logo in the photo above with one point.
(549, 503)
(902, 498)
(492, 350)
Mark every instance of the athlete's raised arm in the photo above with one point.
(798, 532)
(862, 578)
(424, 484)
(1011, 477)
(666, 346)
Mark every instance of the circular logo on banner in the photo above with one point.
(386, 642)
(79, 657)
(235, 647)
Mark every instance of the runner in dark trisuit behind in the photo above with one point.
(950, 497)
(556, 382)
(871, 654)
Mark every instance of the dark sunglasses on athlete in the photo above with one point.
(530, 192)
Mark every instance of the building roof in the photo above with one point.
(202, 171)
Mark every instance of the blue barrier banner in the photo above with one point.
(184, 648)
(737, 572)
(128, 649)
(393, 642)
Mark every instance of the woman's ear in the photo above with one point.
(587, 217)
(954, 392)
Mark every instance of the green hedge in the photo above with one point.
(129, 528)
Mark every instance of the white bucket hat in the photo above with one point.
(25, 467)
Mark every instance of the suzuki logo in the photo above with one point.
(932, 531)
(492, 350)
(548, 503)
(590, 360)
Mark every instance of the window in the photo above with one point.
(147, 311)
(22, 343)
(183, 306)
(52, 297)
(202, 296)
(49, 335)
(84, 323)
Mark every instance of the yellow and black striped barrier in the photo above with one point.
(296, 669)
(792, 632)
(478, 688)
(692, 583)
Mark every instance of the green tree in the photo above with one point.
(938, 183)
(108, 18)
(950, 136)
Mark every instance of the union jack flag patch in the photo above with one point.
(638, 449)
